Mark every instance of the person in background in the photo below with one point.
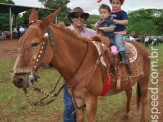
(146, 42)
(0, 33)
(106, 24)
(15, 33)
(25, 29)
(21, 30)
(77, 18)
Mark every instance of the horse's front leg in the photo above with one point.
(80, 115)
(79, 112)
(91, 108)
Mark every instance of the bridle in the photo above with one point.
(35, 67)
(38, 62)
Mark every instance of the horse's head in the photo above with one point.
(34, 50)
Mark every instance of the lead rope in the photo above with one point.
(40, 102)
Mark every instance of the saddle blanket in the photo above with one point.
(130, 50)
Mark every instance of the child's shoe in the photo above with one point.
(114, 49)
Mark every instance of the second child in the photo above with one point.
(106, 24)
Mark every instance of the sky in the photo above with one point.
(91, 6)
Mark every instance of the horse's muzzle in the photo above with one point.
(20, 80)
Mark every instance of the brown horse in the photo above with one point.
(74, 58)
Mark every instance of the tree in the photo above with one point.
(26, 17)
(91, 21)
(41, 14)
(145, 22)
(20, 22)
(55, 4)
(7, 1)
(4, 17)
(4, 22)
(143, 28)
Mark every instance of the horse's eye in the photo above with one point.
(35, 44)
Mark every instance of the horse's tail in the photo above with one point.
(138, 95)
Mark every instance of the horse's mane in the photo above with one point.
(61, 26)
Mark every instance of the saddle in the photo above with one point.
(121, 72)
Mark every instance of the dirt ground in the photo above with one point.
(9, 49)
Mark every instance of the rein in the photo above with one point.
(40, 102)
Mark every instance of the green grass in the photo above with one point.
(13, 103)
(160, 53)
(14, 106)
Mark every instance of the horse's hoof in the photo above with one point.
(125, 117)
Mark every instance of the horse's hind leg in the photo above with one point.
(128, 94)
(143, 87)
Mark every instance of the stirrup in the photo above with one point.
(122, 62)
(118, 86)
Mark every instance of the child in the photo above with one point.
(106, 24)
(121, 19)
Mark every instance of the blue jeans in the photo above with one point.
(68, 107)
(118, 40)
(21, 34)
(112, 42)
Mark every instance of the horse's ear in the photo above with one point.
(33, 16)
(49, 19)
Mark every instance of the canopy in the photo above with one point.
(16, 9)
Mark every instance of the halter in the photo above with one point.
(38, 62)
(41, 54)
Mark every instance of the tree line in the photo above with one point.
(142, 22)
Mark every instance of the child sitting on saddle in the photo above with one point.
(106, 25)
(120, 17)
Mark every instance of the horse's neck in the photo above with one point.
(68, 52)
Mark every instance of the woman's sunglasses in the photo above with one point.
(78, 15)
